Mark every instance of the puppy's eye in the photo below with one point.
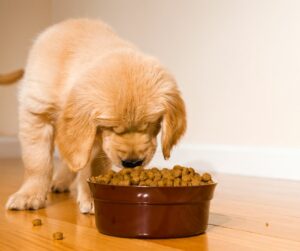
(119, 129)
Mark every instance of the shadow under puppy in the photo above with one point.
(93, 95)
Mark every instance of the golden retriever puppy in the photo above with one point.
(93, 95)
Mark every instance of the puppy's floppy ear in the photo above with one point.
(75, 134)
(174, 120)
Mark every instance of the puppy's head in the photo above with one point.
(122, 104)
(130, 146)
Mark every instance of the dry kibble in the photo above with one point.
(206, 177)
(186, 178)
(177, 173)
(160, 183)
(154, 183)
(169, 182)
(157, 176)
(148, 182)
(195, 182)
(177, 167)
(168, 175)
(155, 169)
(191, 170)
(105, 179)
(37, 222)
(110, 173)
(143, 176)
(125, 171)
(178, 176)
(177, 182)
(142, 183)
(135, 180)
(184, 183)
(185, 172)
(124, 183)
(58, 236)
(115, 181)
(150, 174)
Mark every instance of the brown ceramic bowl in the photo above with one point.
(151, 212)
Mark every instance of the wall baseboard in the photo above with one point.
(283, 163)
(268, 162)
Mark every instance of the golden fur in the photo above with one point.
(95, 96)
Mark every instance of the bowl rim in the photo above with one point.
(135, 186)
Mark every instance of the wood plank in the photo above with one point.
(239, 211)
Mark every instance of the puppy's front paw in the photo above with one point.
(86, 205)
(22, 201)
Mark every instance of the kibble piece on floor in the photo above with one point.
(58, 236)
(37, 222)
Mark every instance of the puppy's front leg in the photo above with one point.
(36, 137)
(99, 164)
(84, 197)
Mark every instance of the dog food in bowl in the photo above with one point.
(178, 176)
(152, 203)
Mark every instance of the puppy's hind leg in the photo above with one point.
(36, 137)
(62, 179)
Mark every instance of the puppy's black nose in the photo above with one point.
(132, 162)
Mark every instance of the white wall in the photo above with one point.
(20, 21)
(236, 61)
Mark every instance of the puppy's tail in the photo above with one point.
(9, 78)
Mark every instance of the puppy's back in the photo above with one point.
(65, 50)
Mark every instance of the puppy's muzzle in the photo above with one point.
(132, 162)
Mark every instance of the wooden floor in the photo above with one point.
(246, 214)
